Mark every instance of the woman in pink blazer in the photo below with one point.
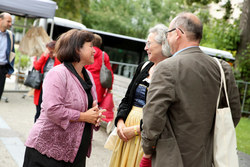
(61, 136)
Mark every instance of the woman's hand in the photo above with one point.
(90, 116)
(93, 115)
(120, 127)
(99, 120)
(131, 131)
(46, 52)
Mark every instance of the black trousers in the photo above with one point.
(33, 158)
(3, 72)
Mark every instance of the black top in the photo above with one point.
(86, 137)
(127, 102)
(86, 84)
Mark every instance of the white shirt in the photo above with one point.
(3, 48)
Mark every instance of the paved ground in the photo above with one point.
(16, 120)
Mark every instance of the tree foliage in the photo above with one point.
(135, 17)
(129, 17)
(221, 34)
(203, 2)
(71, 9)
(228, 10)
(244, 65)
(234, 37)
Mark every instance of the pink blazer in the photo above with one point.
(64, 98)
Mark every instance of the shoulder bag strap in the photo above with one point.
(223, 81)
(103, 57)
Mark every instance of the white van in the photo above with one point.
(57, 26)
(218, 53)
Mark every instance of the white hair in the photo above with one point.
(161, 31)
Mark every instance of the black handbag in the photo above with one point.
(105, 75)
(34, 79)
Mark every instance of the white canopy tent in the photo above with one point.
(29, 8)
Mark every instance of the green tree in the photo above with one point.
(234, 37)
(130, 17)
(221, 34)
(203, 2)
(135, 17)
(71, 9)
(244, 64)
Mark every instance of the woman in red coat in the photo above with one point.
(96, 67)
(46, 62)
(95, 71)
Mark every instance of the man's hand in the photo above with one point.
(8, 75)
(146, 162)
(148, 156)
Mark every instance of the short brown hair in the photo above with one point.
(97, 41)
(69, 43)
(51, 45)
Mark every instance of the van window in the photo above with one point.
(58, 30)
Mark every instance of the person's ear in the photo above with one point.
(78, 51)
(178, 32)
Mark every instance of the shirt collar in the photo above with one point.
(5, 32)
(183, 50)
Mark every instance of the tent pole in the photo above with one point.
(25, 25)
(20, 55)
(52, 28)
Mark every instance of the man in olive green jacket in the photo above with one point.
(178, 118)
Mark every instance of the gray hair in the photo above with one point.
(189, 23)
(161, 30)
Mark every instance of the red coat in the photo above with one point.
(95, 71)
(39, 65)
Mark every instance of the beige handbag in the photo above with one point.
(225, 145)
(111, 141)
(12, 54)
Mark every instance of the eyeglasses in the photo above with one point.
(174, 30)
